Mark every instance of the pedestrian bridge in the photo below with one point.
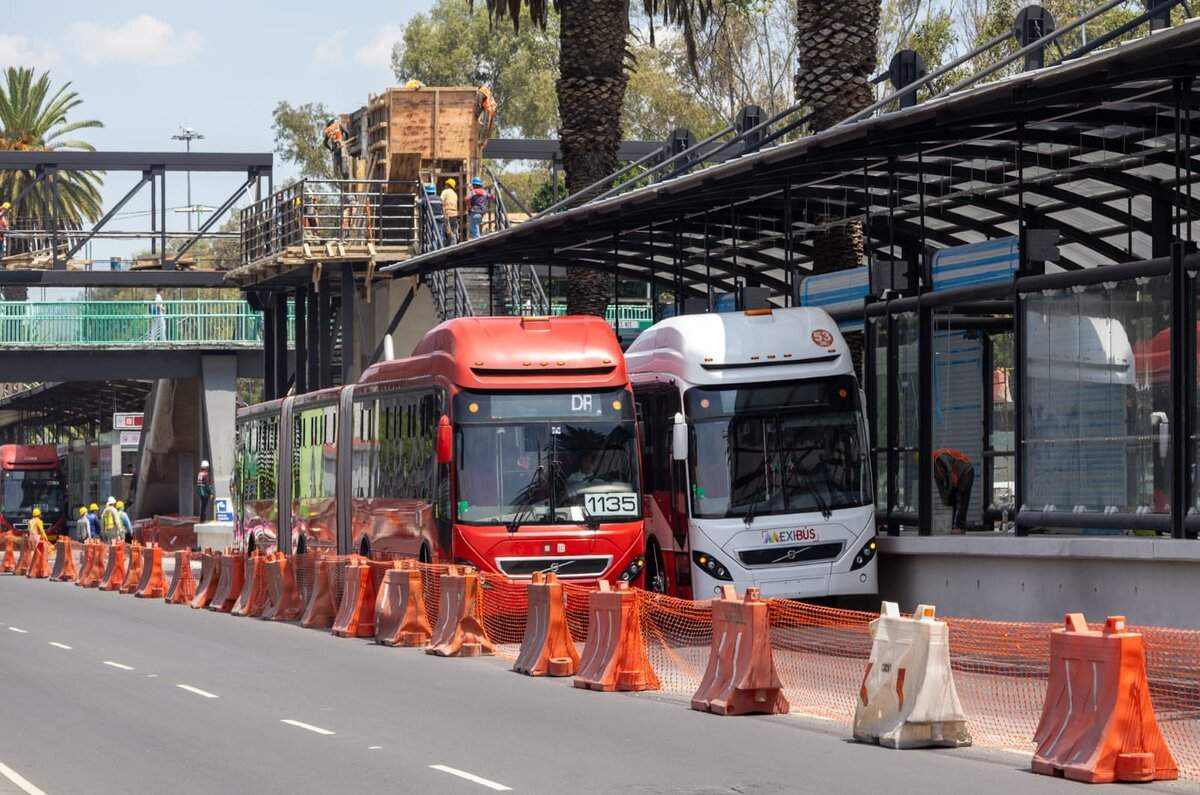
(207, 324)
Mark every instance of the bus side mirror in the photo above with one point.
(445, 441)
(1160, 420)
(679, 438)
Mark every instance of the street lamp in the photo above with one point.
(187, 135)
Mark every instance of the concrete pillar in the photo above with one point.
(218, 395)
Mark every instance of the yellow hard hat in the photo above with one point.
(93, 507)
(5, 206)
(450, 183)
(82, 511)
(37, 511)
(120, 505)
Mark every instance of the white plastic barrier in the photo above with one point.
(907, 698)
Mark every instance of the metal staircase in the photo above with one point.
(467, 292)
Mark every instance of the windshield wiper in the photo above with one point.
(525, 507)
(822, 505)
(748, 518)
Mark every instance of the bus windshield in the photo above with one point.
(546, 458)
(25, 490)
(794, 447)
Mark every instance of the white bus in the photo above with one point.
(755, 456)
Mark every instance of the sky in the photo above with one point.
(146, 69)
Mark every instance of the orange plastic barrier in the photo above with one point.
(283, 598)
(229, 588)
(740, 678)
(459, 632)
(9, 564)
(25, 559)
(547, 648)
(39, 565)
(116, 568)
(320, 610)
(64, 562)
(87, 551)
(253, 597)
(210, 579)
(95, 565)
(614, 657)
(133, 569)
(400, 609)
(182, 589)
(1098, 724)
(153, 583)
(356, 613)
(304, 566)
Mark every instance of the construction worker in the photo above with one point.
(82, 525)
(204, 489)
(335, 142)
(126, 522)
(477, 204)
(93, 518)
(36, 529)
(954, 476)
(110, 520)
(450, 208)
(433, 206)
(4, 208)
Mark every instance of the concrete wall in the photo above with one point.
(372, 319)
(1150, 581)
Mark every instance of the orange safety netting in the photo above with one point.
(1000, 667)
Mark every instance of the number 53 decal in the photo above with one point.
(623, 503)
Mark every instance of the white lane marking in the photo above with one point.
(472, 777)
(18, 629)
(151, 676)
(21, 782)
(374, 747)
(58, 645)
(118, 665)
(197, 691)
(308, 726)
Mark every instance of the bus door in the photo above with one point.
(665, 510)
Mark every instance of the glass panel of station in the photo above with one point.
(1096, 442)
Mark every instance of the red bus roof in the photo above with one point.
(514, 353)
(28, 456)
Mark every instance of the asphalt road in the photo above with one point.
(103, 693)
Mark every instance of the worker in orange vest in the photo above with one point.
(955, 476)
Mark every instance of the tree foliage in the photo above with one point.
(449, 46)
(34, 116)
(299, 131)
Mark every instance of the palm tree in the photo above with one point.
(835, 51)
(33, 117)
(593, 72)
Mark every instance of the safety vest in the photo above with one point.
(955, 462)
(35, 526)
(109, 518)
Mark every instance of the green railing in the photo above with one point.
(109, 324)
(628, 316)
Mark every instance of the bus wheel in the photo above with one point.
(423, 556)
(656, 576)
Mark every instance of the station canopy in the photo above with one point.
(1088, 146)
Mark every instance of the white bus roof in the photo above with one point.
(741, 347)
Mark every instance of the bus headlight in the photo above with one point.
(711, 566)
(865, 555)
(633, 570)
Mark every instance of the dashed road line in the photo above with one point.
(374, 747)
(118, 665)
(18, 629)
(58, 645)
(197, 691)
(495, 785)
(307, 726)
(20, 781)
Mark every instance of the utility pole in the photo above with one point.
(187, 135)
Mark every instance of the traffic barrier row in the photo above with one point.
(901, 681)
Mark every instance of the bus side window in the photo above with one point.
(644, 406)
(678, 469)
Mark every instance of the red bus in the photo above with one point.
(504, 442)
(507, 443)
(31, 478)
